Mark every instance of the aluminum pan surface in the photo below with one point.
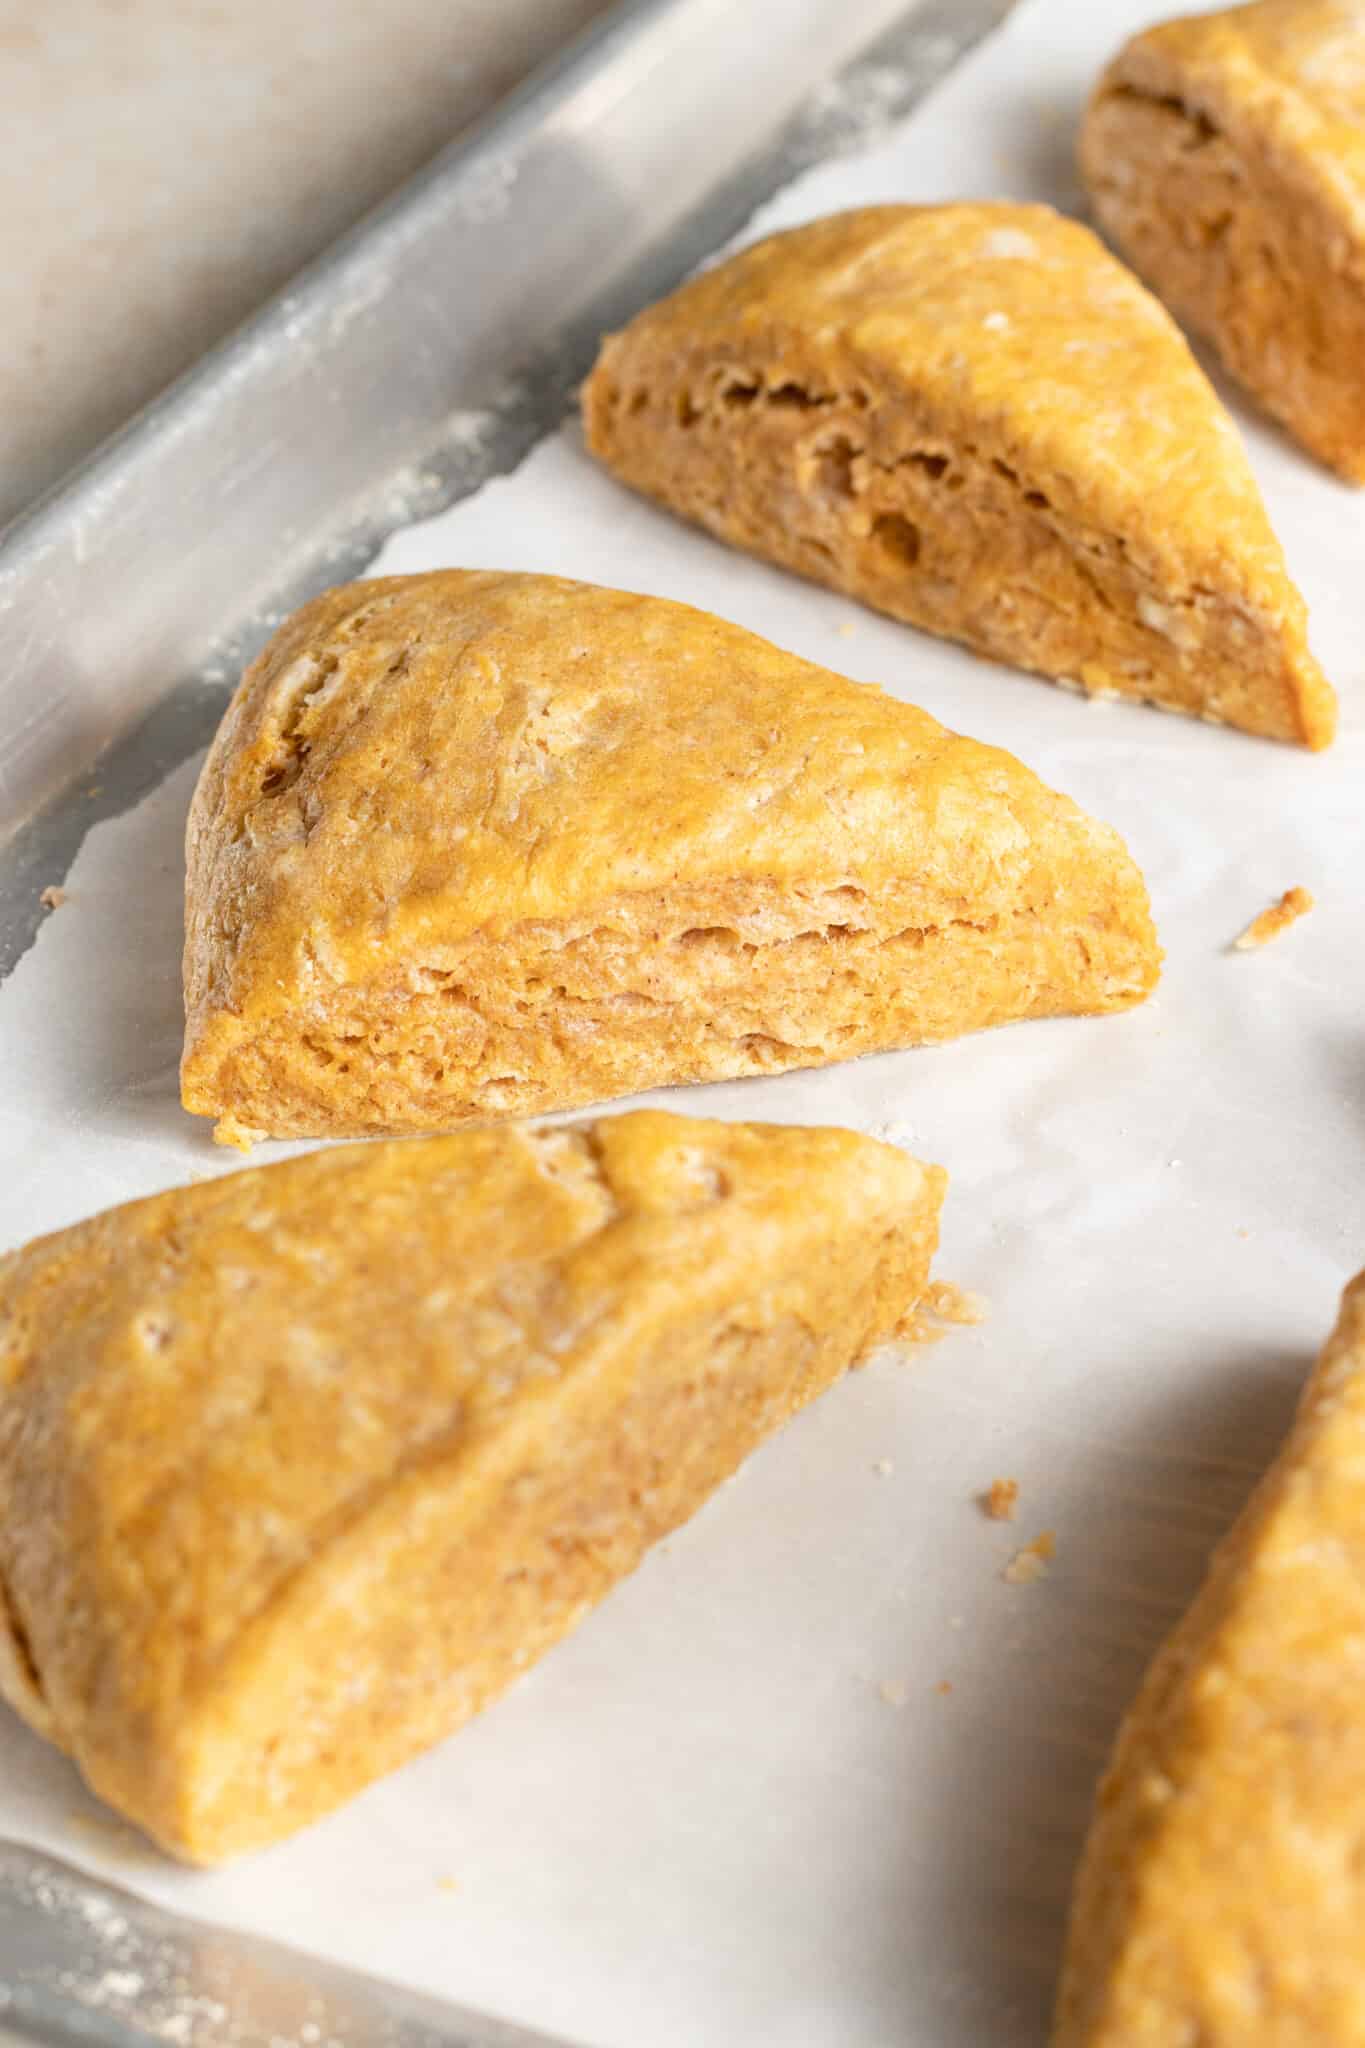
(84, 1962)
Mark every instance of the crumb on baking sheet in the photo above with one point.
(941, 1305)
(944, 1687)
(447, 1884)
(1294, 904)
(1032, 1561)
(998, 1501)
(954, 1304)
(895, 1131)
(227, 1131)
(883, 1468)
(846, 629)
(894, 1691)
(52, 897)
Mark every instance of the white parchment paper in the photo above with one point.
(739, 1806)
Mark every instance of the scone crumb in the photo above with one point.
(883, 1468)
(954, 1304)
(913, 1329)
(447, 1884)
(846, 629)
(1032, 1561)
(941, 1305)
(998, 1501)
(944, 1687)
(228, 1131)
(895, 1131)
(1294, 904)
(52, 897)
(894, 1691)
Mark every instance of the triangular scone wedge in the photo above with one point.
(475, 845)
(1221, 1899)
(1226, 156)
(301, 1466)
(973, 418)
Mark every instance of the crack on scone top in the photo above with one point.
(291, 748)
(1204, 130)
(23, 1647)
(583, 1144)
(696, 1179)
(293, 743)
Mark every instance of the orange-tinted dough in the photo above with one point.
(1222, 1893)
(1225, 154)
(976, 420)
(475, 845)
(301, 1466)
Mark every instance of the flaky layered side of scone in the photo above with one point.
(976, 420)
(1222, 1893)
(474, 845)
(1225, 154)
(301, 1466)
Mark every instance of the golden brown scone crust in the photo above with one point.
(976, 420)
(300, 1467)
(474, 845)
(1222, 1893)
(1226, 156)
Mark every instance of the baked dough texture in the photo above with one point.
(474, 845)
(1221, 1898)
(973, 418)
(299, 1467)
(1226, 156)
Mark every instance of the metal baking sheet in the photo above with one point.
(86, 1962)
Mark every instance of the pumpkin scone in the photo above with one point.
(1222, 1893)
(301, 1466)
(1226, 156)
(474, 845)
(973, 418)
